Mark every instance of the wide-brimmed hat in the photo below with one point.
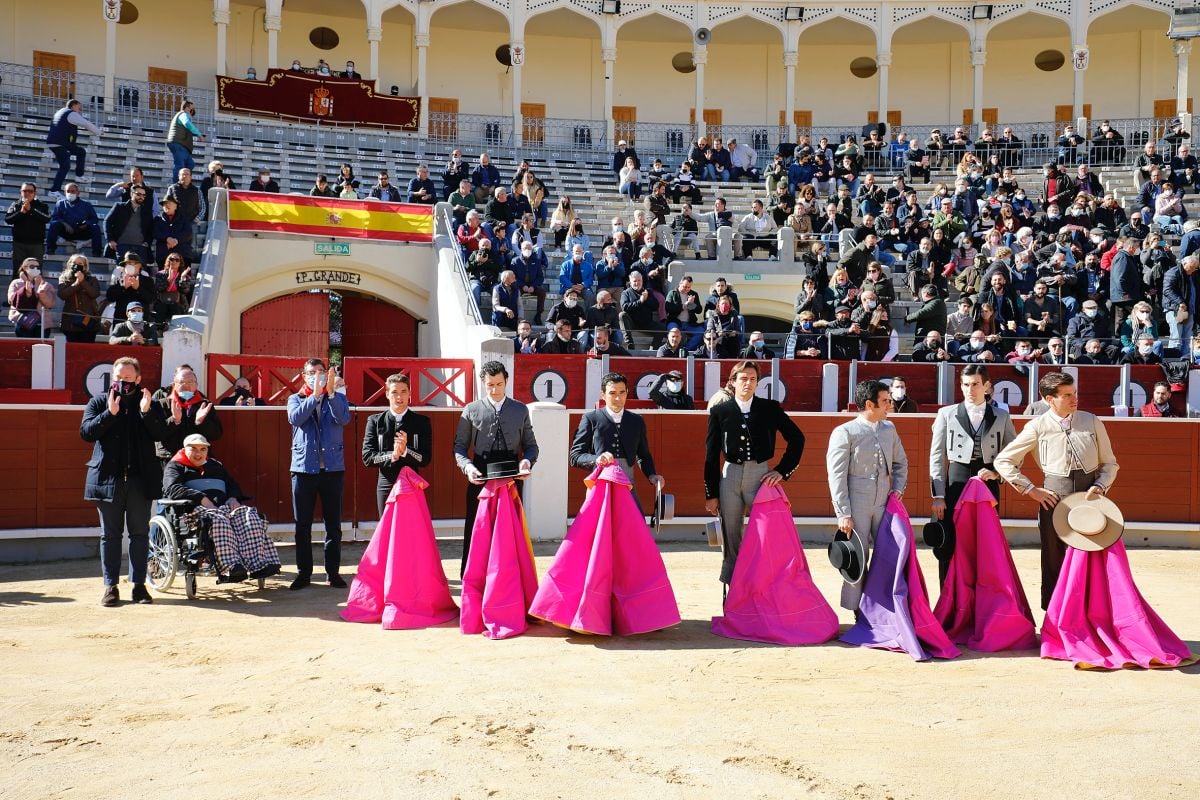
(848, 556)
(934, 533)
(1088, 524)
(502, 469)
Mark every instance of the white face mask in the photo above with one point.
(72, 197)
(1090, 313)
(976, 345)
(1145, 349)
(872, 304)
(1144, 316)
(897, 394)
(33, 273)
(571, 302)
(1022, 351)
(675, 387)
(527, 254)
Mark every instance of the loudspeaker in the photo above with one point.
(703, 36)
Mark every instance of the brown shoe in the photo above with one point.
(111, 597)
(140, 595)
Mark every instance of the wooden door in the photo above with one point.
(443, 118)
(162, 96)
(894, 118)
(624, 123)
(534, 117)
(712, 121)
(294, 325)
(1067, 113)
(1168, 108)
(53, 75)
(991, 116)
(801, 118)
(373, 327)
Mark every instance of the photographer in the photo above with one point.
(80, 291)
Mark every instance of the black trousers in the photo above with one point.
(480, 462)
(1053, 548)
(957, 476)
(306, 488)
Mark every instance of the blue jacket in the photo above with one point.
(310, 443)
(564, 273)
(610, 277)
(75, 214)
(62, 130)
(531, 272)
(487, 176)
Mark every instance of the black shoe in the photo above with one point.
(300, 582)
(237, 575)
(266, 572)
(337, 582)
(140, 595)
(111, 597)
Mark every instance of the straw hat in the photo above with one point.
(1088, 524)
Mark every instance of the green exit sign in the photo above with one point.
(752, 276)
(331, 248)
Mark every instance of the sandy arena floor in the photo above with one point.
(260, 695)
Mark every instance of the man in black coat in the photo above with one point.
(743, 430)
(184, 410)
(28, 217)
(396, 438)
(124, 474)
(612, 435)
(129, 226)
(1125, 287)
(623, 152)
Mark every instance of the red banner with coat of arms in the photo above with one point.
(301, 95)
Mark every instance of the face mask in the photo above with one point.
(1052, 216)
(265, 178)
(806, 326)
(759, 344)
(126, 387)
(1145, 349)
(1093, 353)
(1022, 351)
(976, 345)
(33, 273)
(872, 303)
(1090, 313)
(1196, 353)
(1020, 197)
(564, 337)
(842, 283)
(527, 254)
(601, 347)
(72, 197)
(312, 380)
(898, 394)
(136, 316)
(674, 387)
(186, 394)
(1143, 316)
(571, 302)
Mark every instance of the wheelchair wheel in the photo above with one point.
(164, 554)
(189, 585)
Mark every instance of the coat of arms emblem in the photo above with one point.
(320, 102)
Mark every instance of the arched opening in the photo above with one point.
(398, 26)
(645, 47)
(461, 65)
(1013, 47)
(743, 46)
(1131, 71)
(563, 71)
(930, 74)
(328, 323)
(824, 81)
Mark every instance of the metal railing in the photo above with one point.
(482, 130)
(444, 226)
(666, 140)
(584, 136)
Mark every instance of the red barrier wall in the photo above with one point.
(87, 365)
(559, 379)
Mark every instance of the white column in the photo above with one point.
(221, 20)
(518, 136)
(790, 59)
(1077, 92)
(884, 61)
(374, 37)
(110, 63)
(609, 56)
(274, 24)
(545, 492)
(421, 40)
(1183, 49)
(978, 60)
(700, 58)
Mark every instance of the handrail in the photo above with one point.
(445, 221)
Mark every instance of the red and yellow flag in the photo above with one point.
(327, 216)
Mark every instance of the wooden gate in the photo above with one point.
(373, 327)
(296, 325)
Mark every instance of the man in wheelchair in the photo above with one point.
(238, 533)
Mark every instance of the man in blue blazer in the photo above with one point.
(317, 414)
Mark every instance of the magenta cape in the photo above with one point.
(400, 581)
(500, 578)
(608, 576)
(894, 612)
(772, 597)
(1098, 618)
(983, 604)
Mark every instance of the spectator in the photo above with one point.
(562, 220)
(855, 261)
(296, 66)
(1160, 403)
(610, 272)
(1041, 313)
(708, 348)
(529, 268)
(264, 183)
(471, 233)
(684, 310)
(323, 68)
(73, 219)
(506, 302)
(1095, 353)
(902, 403)
(668, 393)
(1108, 145)
(1180, 286)
(1143, 353)
(602, 344)
(674, 347)
(1144, 164)
(174, 284)
(1140, 323)
(960, 323)
(421, 189)
(28, 217)
(685, 185)
(929, 349)
(346, 184)
(756, 347)
(1184, 169)
(62, 140)
(845, 335)
(485, 178)
(134, 329)
(242, 395)
(577, 272)
(350, 72)
(186, 412)
(1023, 353)
(657, 204)
(578, 237)
(535, 192)
(120, 190)
(1055, 352)
(979, 350)
(725, 325)
(630, 181)
(483, 268)
(560, 341)
(687, 229)
(1068, 145)
(758, 229)
(182, 134)
(321, 188)
(133, 284)
(603, 314)
(720, 288)
(639, 314)
(79, 290)
(569, 309)
(930, 317)
(130, 226)
(622, 156)
(251, 74)
(461, 201)
(457, 170)
(187, 194)
(807, 341)
(1091, 323)
(719, 158)
(1169, 212)
(317, 413)
(1125, 280)
(526, 341)
(742, 159)
(383, 189)
(30, 300)
(498, 215)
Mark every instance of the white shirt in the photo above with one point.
(873, 425)
(496, 405)
(615, 417)
(399, 417)
(975, 413)
(1063, 422)
(745, 407)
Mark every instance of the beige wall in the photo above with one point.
(930, 83)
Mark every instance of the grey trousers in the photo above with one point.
(868, 500)
(1054, 550)
(739, 484)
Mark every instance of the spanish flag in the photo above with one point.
(327, 216)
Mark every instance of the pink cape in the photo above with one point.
(894, 612)
(772, 597)
(500, 578)
(983, 604)
(400, 581)
(1098, 618)
(608, 575)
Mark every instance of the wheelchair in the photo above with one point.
(181, 545)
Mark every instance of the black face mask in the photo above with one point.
(126, 387)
